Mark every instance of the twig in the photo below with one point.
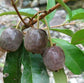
(45, 28)
(18, 12)
(63, 25)
(16, 1)
(38, 21)
(43, 11)
(45, 14)
(72, 23)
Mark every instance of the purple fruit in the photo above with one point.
(54, 58)
(11, 39)
(35, 40)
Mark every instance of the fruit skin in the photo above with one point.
(11, 39)
(54, 58)
(35, 40)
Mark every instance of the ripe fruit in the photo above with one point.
(11, 39)
(54, 58)
(35, 40)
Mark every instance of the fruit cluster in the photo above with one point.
(35, 41)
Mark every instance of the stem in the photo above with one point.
(38, 21)
(17, 26)
(16, 1)
(48, 32)
(72, 23)
(18, 12)
(63, 25)
(45, 13)
(64, 22)
(45, 28)
(41, 25)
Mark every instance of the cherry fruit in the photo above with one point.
(35, 40)
(11, 39)
(54, 58)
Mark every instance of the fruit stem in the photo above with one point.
(41, 25)
(38, 21)
(17, 26)
(48, 32)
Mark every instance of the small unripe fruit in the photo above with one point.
(35, 40)
(54, 58)
(11, 39)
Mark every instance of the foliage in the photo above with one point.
(76, 14)
(34, 70)
(74, 57)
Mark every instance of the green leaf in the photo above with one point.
(27, 73)
(65, 31)
(34, 69)
(50, 4)
(66, 8)
(82, 44)
(12, 68)
(74, 57)
(78, 37)
(26, 12)
(76, 14)
(60, 76)
(83, 51)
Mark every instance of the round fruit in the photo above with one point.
(54, 58)
(11, 39)
(35, 40)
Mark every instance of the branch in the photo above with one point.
(18, 13)
(45, 28)
(44, 14)
(72, 23)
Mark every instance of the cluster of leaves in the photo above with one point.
(34, 70)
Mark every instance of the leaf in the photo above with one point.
(27, 74)
(83, 51)
(34, 69)
(78, 37)
(50, 4)
(12, 68)
(60, 76)
(66, 8)
(26, 12)
(74, 57)
(65, 31)
(76, 14)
